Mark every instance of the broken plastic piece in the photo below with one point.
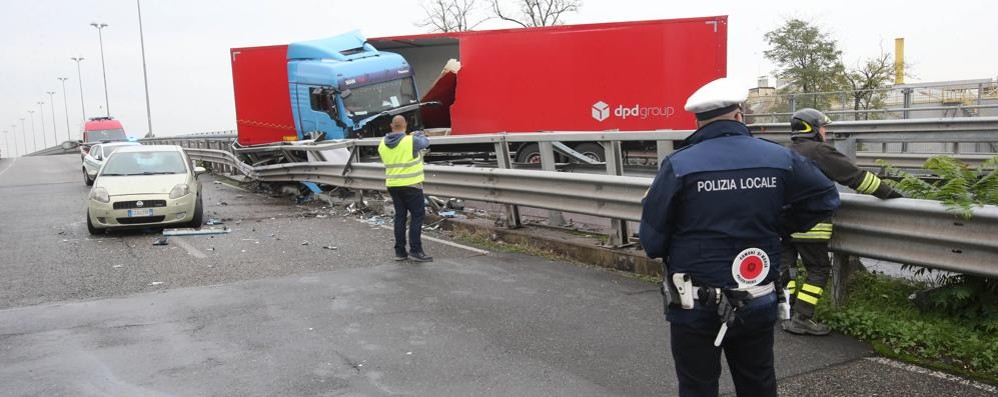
(447, 214)
(160, 241)
(193, 232)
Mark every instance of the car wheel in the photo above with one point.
(90, 226)
(198, 214)
(86, 178)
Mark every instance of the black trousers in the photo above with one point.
(814, 255)
(747, 346)
(408, 200)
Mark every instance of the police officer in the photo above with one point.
(807, 135)
(713, 214)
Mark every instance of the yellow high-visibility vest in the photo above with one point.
(401, 167)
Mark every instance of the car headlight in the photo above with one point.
(179, 191)
(99, 194)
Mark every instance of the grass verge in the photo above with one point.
(879, 311)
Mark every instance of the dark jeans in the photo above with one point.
(747, 346)
(408, 200)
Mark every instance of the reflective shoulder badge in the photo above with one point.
(750, 267)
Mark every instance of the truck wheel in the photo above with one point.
(529, 154)
(86, 178)
(592, 150)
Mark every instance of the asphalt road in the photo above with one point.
(257, 312)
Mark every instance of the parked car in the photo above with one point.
(143, 186)
(94, 159)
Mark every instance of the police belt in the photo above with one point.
(705, 295)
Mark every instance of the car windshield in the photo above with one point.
(375, 98)
(144, 163)
(116, 134)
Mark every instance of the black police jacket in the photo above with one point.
(722, 195)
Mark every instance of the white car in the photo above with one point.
(94, 159)
(146, 186)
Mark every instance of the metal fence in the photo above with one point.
(970, 98)
(903, 230)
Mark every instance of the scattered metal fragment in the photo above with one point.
(160, 241)
(193, 232)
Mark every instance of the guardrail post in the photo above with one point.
(906, 114)
(662, 149)
(846, 145)
(840, 274)
(503, 161)
(555, 218)
(615, 166)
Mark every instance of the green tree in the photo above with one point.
(807, 58)
(865, 79)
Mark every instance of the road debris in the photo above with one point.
(214, 221)
(160, 241)
(330, 247)
(155, 283)
(193, 232)
(222, 203)
(304, 243)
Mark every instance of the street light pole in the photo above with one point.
(100, 28)
(24, 138)
(13, 128)
(41, 120)
(79, 78)
(145, 78)
(55, 131)
(65, 105)
(34, 136)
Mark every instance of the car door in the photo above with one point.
(93, 160)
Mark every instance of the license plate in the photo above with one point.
(141, 212)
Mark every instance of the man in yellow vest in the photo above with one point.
(403, 157)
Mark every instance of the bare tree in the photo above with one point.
(535, 13)
(450, 16)
(866, 78)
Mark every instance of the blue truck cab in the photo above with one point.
(342, 87)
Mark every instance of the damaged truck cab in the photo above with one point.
(343, 87)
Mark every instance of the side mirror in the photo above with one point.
(199, 170)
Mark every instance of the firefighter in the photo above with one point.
(807, 134)
(713, 214)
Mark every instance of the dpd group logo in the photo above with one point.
(601, 111)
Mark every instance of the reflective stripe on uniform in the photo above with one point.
(801, 296)
(405, 165)
(812, 289)
(869, 185)
(821, 231)
(791, 286)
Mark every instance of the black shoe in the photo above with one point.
(420, 257)
(800, 325)
(399, 258)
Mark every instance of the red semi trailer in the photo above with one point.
(626, 76)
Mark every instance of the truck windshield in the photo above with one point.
(116, 134)
(375, 98)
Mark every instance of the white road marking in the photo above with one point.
(13, 160)
(919, 370)
(235, 187)
(189, 248)
(444, 242)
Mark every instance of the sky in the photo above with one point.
(187, 44)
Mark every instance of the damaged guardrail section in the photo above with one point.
(909, 231)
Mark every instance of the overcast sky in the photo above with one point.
(187, 46)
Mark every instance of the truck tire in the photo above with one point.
(529, 153)
(592, 150)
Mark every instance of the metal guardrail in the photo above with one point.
(909, 231)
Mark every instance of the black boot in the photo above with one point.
(800, 325)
